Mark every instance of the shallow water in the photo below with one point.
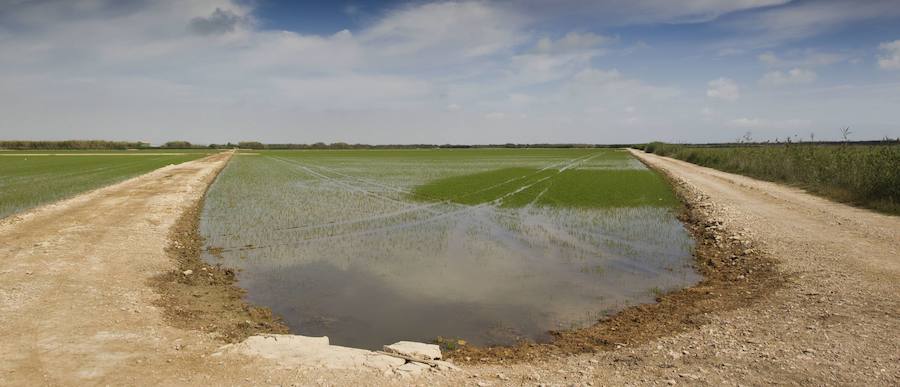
(353, 259)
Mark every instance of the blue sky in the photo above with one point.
(603, 71)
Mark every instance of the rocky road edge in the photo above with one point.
(404, 358)
(203, 297)
(735, 275)
(199, 296)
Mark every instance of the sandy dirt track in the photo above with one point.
(75, 304)
(76, 307)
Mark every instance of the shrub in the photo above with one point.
(863, 175)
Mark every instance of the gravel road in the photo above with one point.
(76, 305)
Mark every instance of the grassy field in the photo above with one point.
(862, 175)
(492, 245)
(32, 178)
(518, 187)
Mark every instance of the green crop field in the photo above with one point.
(32, 178)
(491, 245)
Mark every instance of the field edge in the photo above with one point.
(203, 297)
(735, 275)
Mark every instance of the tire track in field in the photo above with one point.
(409, 208)
(437, 214)
(364, 180)
(355, 188)
(527, 186)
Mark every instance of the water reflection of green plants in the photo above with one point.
(355, 210)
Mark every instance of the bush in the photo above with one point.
(864, 175)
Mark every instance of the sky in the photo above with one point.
(463, 72)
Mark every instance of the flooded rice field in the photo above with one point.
(489, 246)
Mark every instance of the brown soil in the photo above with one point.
(734, 275)
(207, 298)
(77, 305)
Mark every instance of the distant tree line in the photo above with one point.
(72, 144)
(102, 144)
(343, 145)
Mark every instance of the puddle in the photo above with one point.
(356, 261)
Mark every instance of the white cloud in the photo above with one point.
(769, 58)
(571, 42)
(759, 123)
(805, 19)
(724, 89)
(793, 76)
(625, 12)
(148, 72)
(612, 86)
(802, 58)
(218, 23)
(446, 31)
(745, 122)
(890, 59)
(208, 70)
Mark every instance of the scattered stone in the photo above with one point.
(445, 366)
(413, 368)
(302, 351)
(415, 350)
(187, 272)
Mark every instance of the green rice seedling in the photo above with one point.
(467, 240)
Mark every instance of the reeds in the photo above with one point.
(862, 175)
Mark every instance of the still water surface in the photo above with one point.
(353, 259)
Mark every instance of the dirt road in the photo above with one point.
(76, 307)
(835, 322)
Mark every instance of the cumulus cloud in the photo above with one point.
(624, 12)
(760, 123)
(769, 58)
(724, 89)
(219, 22)
(155, 68)
(571, 42)
(775, 25)
(208, 70)
(802, 58)
(793, 76)
(446, 31)
(890, 58)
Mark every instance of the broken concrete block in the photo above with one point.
(413, 368)
(415, 350)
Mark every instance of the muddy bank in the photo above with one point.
(735, 275)
(205, 297)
